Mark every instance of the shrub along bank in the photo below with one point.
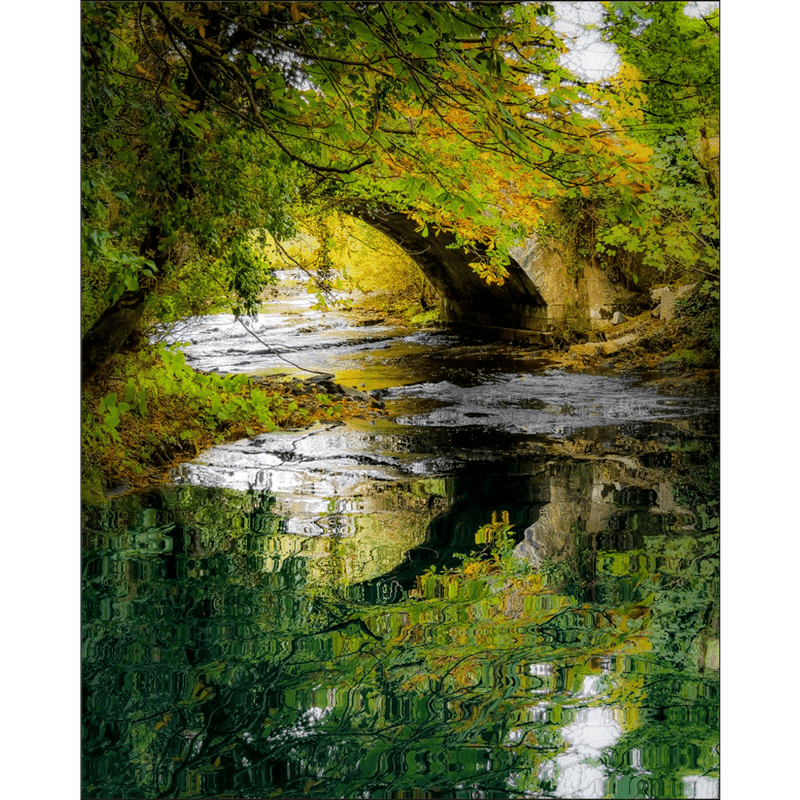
(152, 411)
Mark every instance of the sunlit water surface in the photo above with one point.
(506, 588)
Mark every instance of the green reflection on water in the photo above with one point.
(218, 662)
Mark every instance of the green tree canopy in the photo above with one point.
(677, 56)
(665, 97)
(204, 121)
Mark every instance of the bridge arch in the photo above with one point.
(466, 299)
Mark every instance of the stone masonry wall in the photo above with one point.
(585, 297)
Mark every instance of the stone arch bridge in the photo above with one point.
(540, 292)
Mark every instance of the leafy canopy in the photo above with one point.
(204, 120)
(664, 97)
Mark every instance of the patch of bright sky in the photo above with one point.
(698, 9)
(589, 56)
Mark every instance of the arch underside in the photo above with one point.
(466, 298)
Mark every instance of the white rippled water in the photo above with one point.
(554, 403)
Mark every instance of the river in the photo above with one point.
(505, 586)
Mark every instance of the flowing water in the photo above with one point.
(506, 587)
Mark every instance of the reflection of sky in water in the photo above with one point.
(697, 786)
(578, 772)
(308, 469)
(554, 403)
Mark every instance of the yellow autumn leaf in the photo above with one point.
(140, 69)
(474, 569)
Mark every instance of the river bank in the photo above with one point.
(333, 366)
(146, 448)
(664, 353)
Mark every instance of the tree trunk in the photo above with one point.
(110, 333)
(120, 322)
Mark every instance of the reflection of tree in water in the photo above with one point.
(206, 673)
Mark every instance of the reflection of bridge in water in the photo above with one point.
(353, 505)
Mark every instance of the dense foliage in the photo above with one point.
(204, 121)
(665, 96)
(677, 60)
